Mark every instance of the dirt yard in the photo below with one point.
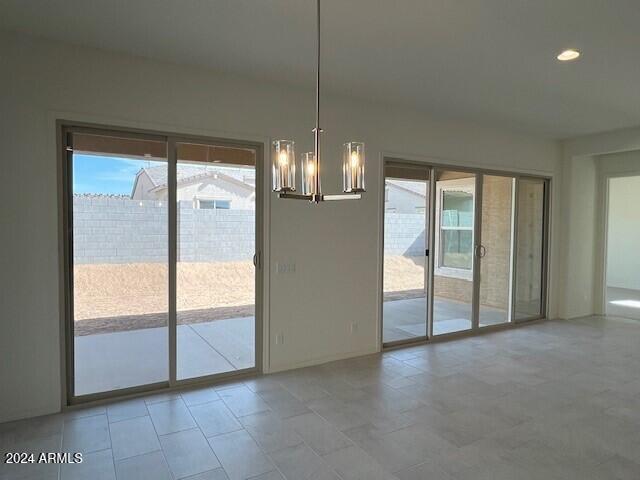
(141, 288)
(112, 297)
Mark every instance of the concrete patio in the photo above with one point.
(110, 361)
(404, 319)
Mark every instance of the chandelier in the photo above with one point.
(284, 161)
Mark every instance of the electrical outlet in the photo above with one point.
(354, 327)
(280, 339)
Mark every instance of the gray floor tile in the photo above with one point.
(400, 449)
(317, 433)
(188, 453)
(214, 418)
(465, 427)
(240, 456)
(133, 437)
(427, 470)
(283, 403)
(94, 466)
(352, 463)
(273, 475)
(31, 470)
(270, 431)
(300, 463)
(126, 410)
(242, 401)
(217, 474)
(618, 468)
(150, 465)
(18, 431)
(340, 414)
(555, 400)
(199, 396)
(87, 434)
(84, 412)
(170, 417)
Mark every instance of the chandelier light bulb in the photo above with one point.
(284, 166)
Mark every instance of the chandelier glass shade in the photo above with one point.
(284, 159)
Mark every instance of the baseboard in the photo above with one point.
(24, 414)
(320, 360)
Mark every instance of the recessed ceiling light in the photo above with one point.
(567, 55)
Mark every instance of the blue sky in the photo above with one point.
(106, 175)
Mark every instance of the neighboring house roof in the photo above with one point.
(417, 188)
(100, 195)
(189, 174)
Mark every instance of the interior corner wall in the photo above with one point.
(335, 246)
(624, 171)
(623, 264)
(579, 199)
(586, 160)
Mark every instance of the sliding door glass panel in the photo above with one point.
(120, 254)
(405, 219)
(495, 250)
(529, 249)
(453, 261)
(215, 284)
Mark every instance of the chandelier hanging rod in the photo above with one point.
(284, 157)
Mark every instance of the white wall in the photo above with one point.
(578, 200)
(586, 163)
(624, 216)
(339, 283)
(623, 261)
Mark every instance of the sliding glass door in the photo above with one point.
(454, 259)
(162, 247)
(530, 272)
(216, 216)
(469, 254)
(495, 250)
(406, 221)
(120, 260)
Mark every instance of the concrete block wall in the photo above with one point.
(121, 230)
(404, 234)
(215, 235)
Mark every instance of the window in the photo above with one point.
(456, 230)
(214, 204)
(454, 240)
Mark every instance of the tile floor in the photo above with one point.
(623, 302)
(557, 400)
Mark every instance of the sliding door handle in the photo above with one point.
(481, 251)
(256, 259)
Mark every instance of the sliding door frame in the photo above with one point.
(65, 130)
(475, 329)
(428, 225)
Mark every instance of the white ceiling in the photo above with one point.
(489, 61)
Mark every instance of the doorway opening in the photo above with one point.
(622, 286)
